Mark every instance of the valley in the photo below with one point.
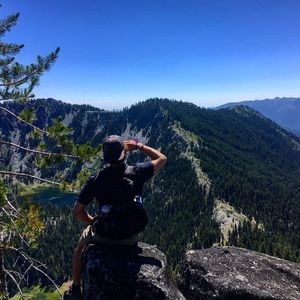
(232, 178)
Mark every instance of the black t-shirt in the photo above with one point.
(103, 185)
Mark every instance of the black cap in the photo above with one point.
(113, 149)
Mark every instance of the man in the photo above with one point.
(106, 187)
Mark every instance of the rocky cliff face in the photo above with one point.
(121, 273)
(236, 273)
(226, 273)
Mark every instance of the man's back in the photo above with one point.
(114, 183)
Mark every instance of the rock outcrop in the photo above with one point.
(236, 273)
(127, 273)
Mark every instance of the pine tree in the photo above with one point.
(17, 82)
(21, 225)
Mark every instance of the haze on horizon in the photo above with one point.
(116, 53)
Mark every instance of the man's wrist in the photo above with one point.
(93, 220)
(140, 146)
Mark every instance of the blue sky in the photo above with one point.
(117, 52)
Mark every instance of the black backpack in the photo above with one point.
(123, 215)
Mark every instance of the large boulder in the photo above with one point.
(123, 273)
(236, 273)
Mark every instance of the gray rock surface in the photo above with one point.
(121, 273)
(236, 273)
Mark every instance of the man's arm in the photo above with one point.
(81, 214)
(157, 159)
(85, 197)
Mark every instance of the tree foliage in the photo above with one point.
(17, 82)
(21, 223)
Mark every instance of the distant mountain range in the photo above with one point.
(283, 111)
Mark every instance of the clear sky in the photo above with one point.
(117, 52)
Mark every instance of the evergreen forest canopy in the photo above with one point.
(233, 155)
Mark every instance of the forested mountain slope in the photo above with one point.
(250, 162)
(233, 155)
(283, 111)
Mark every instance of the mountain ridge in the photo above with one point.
(284, 111)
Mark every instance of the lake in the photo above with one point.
(54, 195)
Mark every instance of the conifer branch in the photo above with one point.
(29, 176)
(7, 99)
(32, 262)
(17, 117)
(16, 227)
(22, 80)
(37, 151)
(15, 282)
(41, 67)
(7, 23)
(10, 204)
(9, 49)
